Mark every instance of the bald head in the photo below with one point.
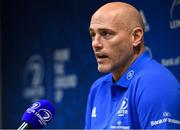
(117, 34)
(120, 13)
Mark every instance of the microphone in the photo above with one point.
(38, 115)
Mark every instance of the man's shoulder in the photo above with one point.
(155, 70)
(100, 81)
(99, 84)
(154, 74)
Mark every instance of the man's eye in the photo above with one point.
(92, 35)
(105, 34)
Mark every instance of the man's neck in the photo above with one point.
(117, 74)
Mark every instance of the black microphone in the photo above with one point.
(38, 115)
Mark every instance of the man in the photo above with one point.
(139, 93)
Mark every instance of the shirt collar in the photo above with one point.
(132, 71)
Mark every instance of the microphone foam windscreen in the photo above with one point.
(39, 114)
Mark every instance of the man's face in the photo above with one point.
(111, 43)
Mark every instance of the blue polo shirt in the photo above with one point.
(146, 96)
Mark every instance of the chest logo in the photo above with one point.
(130, 75)
(123, 108)
(93, 114)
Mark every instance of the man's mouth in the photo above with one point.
(101, 57)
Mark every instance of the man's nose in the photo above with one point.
(96, 43)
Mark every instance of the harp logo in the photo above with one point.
(175, 15)
(123, 108)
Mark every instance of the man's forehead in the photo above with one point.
(100, 17)
(110, 21)
(100, 25)
(92, 29)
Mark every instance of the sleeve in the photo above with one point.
(89, 106)
(158, 103)
(88, 117)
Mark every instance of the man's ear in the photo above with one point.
(137, 36)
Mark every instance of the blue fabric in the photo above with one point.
(146, 96)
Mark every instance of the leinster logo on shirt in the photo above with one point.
(93, 114)
(123, 108)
